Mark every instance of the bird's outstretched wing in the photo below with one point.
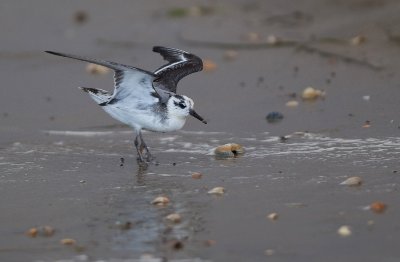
(129, 81)
(180, 64)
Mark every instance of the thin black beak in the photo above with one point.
(194, 114)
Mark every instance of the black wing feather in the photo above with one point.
(180, 64)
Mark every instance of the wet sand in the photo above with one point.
(60, 155)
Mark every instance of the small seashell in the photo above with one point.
(160, 201)
(274, 117)
(292, 103)
(228, 150)
(273, 216)
(96, 69)
(196, 175)
(378, 207)
(68, 241)
(344, 231)
(209, 65)
(310, 93)
(352, 181)
(32, 232)
(230, 55)
(217, 191)
(174, 218)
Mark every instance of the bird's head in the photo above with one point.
(182, 106)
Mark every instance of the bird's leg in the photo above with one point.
(143, 146)
(139, 148)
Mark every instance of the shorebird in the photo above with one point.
(146, 100)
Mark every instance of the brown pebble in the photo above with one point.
(228, 150)
(378, 207)
(80, 17)
(32, 232)
(209, 65)
(197, 175)
(68, 241)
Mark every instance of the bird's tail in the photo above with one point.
(98, 95)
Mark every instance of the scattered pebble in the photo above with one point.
(358, 40)
(230, 55)
(122, 161)
(82, 181)
(274, 117)
(272, 40)
(366, 98)
(217, 191)
(81, 17)
(197, 175)
(367, 124)
(344, 231)
(283, 139)
(310, 93)
(269, 252)
(97, 69)
(174, 218)
(273, 216)
(68, 241)
(209, 65)
(123, 225)
(292, 103)
(176, 244)
(378, 207)
(160, 201)
(32, 232)
(46, 231)
(229, 150)
(352, 181)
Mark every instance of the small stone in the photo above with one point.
(269, 252)
(96, 69)
(174, 218)
(82, 181)
(32, 232)
(209, 65)
(358, 40)
(367, 124)
(217, 191)
(160, 201)
(273, 216)
(352, 181)
(292, 103)
(272, 40)
(47, 231)
(81, 17)
(274, 117)
(378, 207)
(68, 241)
(344, 231)
(197, 175)
(310, 93)
(230, 150)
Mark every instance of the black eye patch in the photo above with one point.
(180, 104)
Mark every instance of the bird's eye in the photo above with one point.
(182, 105)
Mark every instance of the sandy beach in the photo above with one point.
(70, 186)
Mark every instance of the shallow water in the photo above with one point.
(88, 185)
